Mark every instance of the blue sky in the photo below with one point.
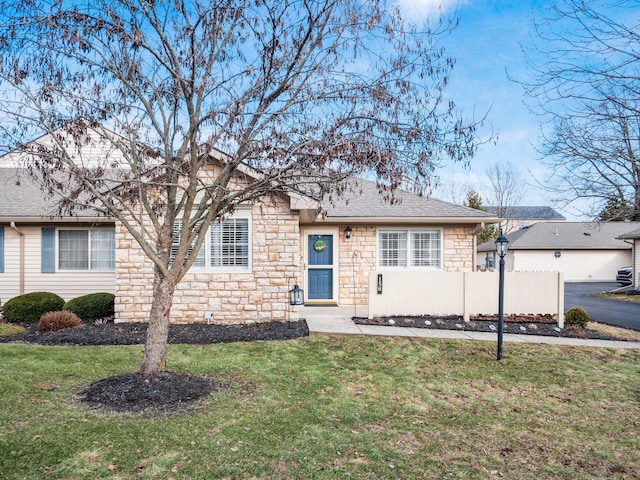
(487, 45)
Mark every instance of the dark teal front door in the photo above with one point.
(320, 267)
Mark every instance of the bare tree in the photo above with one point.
(508, 188)
(303, 92)
(588, 87)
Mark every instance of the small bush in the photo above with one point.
(94, 305)
(576, 316)
(55, 321)
(31, 306)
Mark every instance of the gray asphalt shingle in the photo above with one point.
(367, 202)
(568, 235)
(22, 198)
(528, 213)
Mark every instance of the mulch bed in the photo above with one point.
(521, 324)
(166, 392)
(106, 332)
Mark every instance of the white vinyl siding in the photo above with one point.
(66, 283)
(409, 248)
(1, 249)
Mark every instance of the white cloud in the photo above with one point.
(421, 10)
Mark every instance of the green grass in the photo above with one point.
(623, 297)
(329, 407)
(9, 330)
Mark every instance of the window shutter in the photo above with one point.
(1, 249)
(48, 253)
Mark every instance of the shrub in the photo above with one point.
(31, 306)
(55, 321)
(576, 316)
(94, 305)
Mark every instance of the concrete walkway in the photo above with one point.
(337, 320)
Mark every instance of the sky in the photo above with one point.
(487, 46)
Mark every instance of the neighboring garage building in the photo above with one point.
(584, 252)
(634, 239)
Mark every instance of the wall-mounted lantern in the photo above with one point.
(296, 296)
(347, 233)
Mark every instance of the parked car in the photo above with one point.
(624, 276)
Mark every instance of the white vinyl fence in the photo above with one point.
(465, 293)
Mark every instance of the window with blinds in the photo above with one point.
(86, 249)
(226, 246)
(393, 249)
(425, 249)
(409, 248)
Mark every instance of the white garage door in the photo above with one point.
(577, 265)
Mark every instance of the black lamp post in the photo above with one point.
(502, 245)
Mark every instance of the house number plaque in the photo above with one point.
(379, 284)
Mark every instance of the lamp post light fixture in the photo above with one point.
(502, 245)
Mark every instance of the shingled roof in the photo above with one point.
(568, 236)
(634, 235)
(528, 213)
(364, 203)
(21, 199)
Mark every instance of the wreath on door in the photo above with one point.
(320, 245)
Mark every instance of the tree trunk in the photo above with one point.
(155, 349)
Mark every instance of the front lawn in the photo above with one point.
(623, 297)
(330, 407)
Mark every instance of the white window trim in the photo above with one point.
(409, 231)
(240, 213)
(80, 270)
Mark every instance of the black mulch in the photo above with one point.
(521, 324)
(166, 392)
(106, 332)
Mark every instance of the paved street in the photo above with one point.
(611, 312)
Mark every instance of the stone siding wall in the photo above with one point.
(257, 295)
(358, 258)
(459, 246)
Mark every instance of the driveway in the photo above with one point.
(612, 312)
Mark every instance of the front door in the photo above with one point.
(320, 268)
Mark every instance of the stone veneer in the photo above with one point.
(258, 295)
(459, 246)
